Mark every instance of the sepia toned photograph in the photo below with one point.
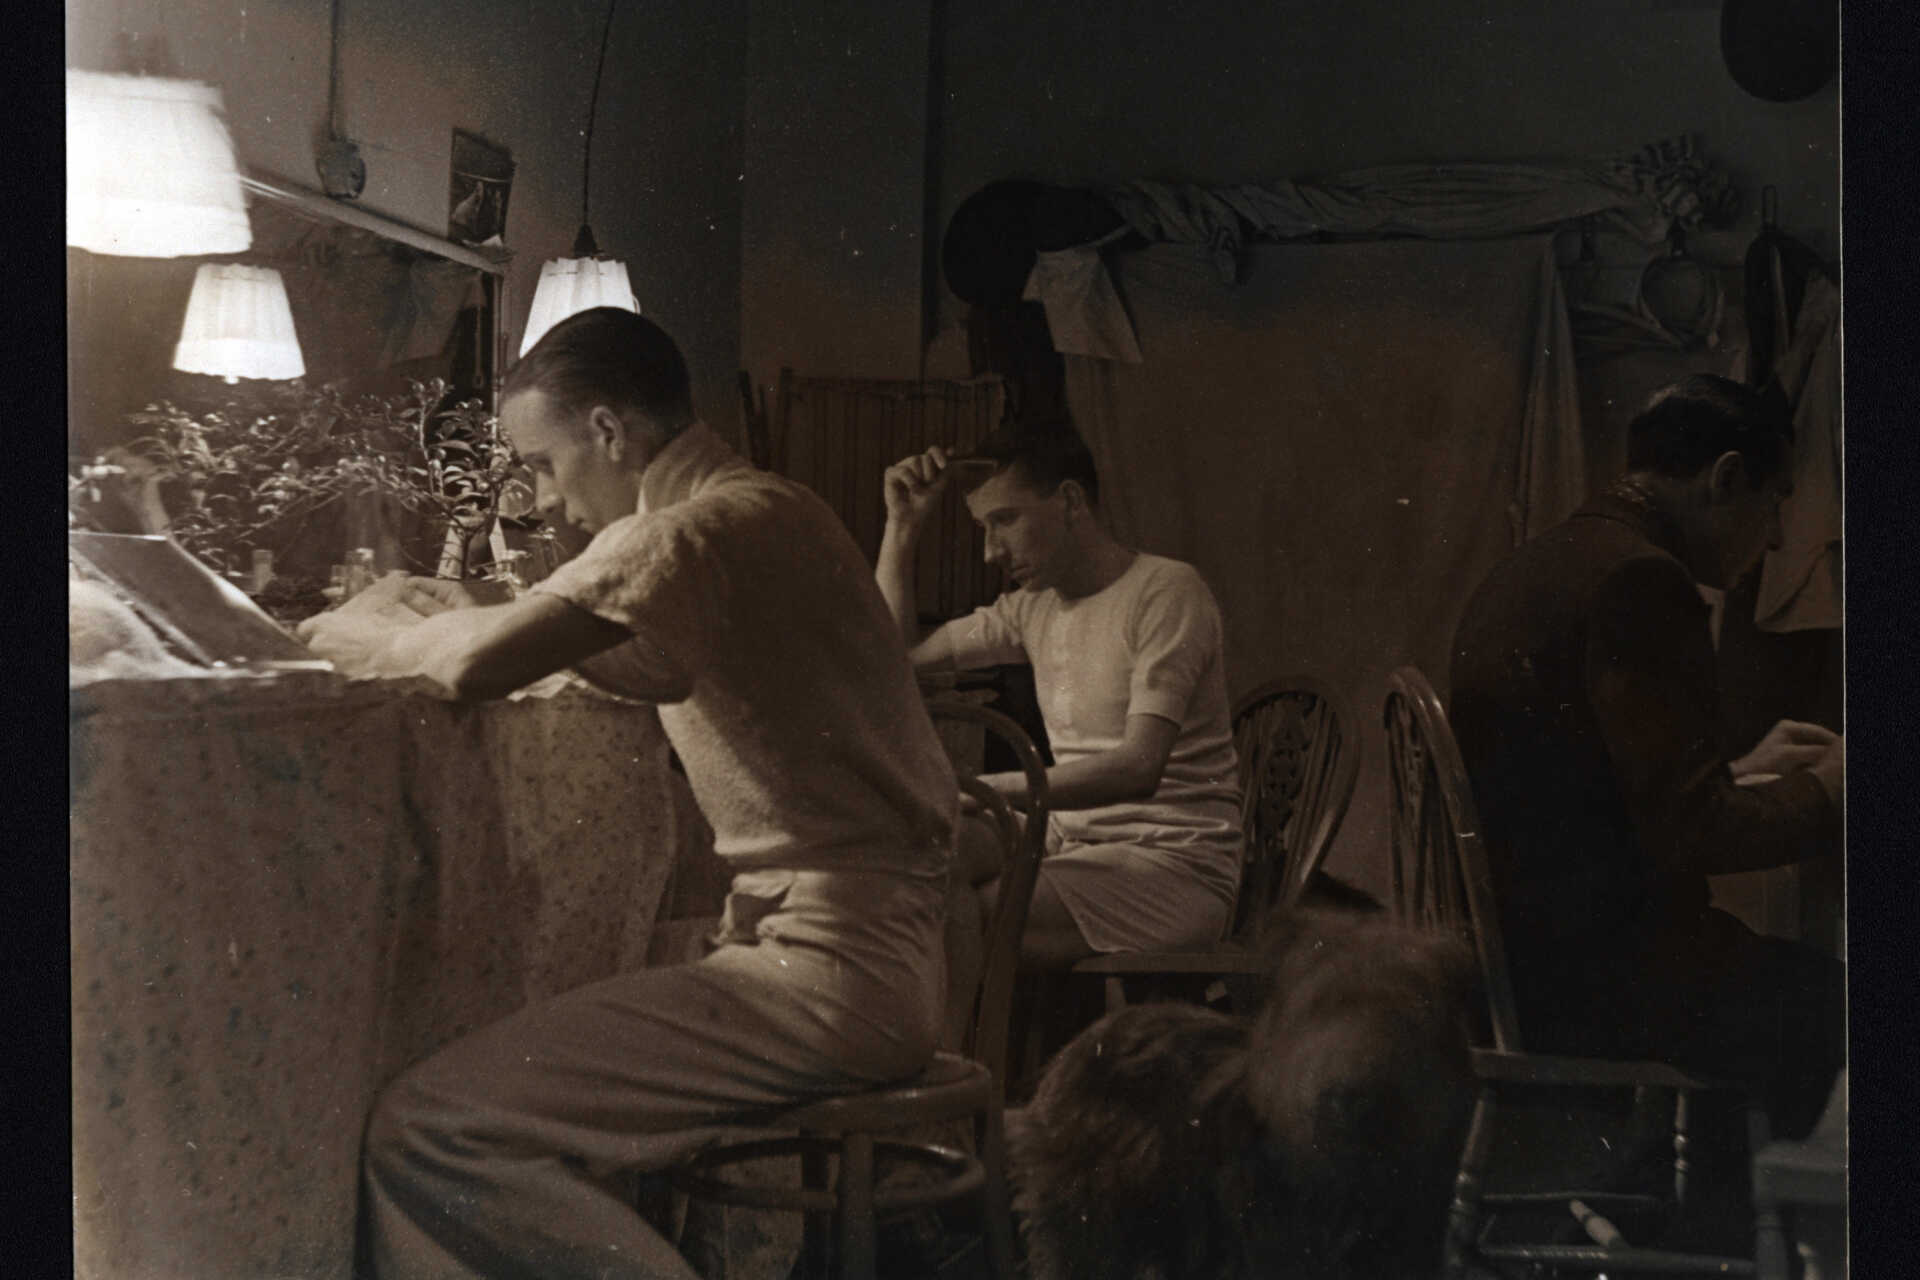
(1033, 641)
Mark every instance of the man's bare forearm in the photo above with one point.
(490, 651)
(1130, 771)
(894, 572)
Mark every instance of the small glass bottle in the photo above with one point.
(359, 571)
(262, 569)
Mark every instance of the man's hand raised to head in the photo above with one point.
(913, 485)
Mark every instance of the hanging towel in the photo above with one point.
(1084, 312)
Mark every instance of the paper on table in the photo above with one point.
(199, 616)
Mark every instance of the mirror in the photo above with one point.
(380, 309)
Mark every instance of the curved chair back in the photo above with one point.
(1440, 875)
(1299, 757)
(1025, 843)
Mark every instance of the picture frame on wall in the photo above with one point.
(481, 180)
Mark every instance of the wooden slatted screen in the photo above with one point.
(837, 435)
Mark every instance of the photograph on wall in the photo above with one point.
(481, 181)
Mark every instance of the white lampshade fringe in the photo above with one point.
(571, 285)
(239, 325)
(151, 171)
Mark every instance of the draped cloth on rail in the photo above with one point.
(1643, 195)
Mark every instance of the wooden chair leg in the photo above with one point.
(1769, 1241)
(1463, 1219)
(996, 1210)
(1769, 1225)
(816, 1228)
(856, 1215)
(1116, 993)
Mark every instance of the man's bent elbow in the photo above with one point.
(1143, 781)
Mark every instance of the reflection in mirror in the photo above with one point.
(385, 444)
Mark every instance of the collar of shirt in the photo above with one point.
(678, 471)
(1633, 504)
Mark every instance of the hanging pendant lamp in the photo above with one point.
(587, 279)
(238, 325)
(150, 168)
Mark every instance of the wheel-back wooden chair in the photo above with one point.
(1299, 756)
(1441, 881)
(839, 1139)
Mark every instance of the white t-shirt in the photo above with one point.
(1150, 643)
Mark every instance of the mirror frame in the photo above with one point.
(492, 263)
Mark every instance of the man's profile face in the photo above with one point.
(575, 479)
(1746, 524)
(1754, 524)
(1025, 530)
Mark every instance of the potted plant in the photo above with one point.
(279, 474)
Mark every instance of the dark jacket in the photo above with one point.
(1585, 702)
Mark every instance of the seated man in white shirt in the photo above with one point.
(736, 600)
(1144, 843)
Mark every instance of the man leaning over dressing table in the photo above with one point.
(736, 600)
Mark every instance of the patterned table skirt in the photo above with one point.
(286, 889)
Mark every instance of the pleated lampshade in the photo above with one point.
(150, 168)
(238, 325)
(570, 285)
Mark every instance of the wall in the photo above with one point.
(667, 159)
(1246, 91)
(1229, 91)
(762, 165)
(838, 183)
(835, 148)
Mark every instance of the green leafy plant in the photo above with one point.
(239, 479)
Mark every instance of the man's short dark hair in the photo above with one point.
(1689, 424)
(1044, 453)
(608, 356)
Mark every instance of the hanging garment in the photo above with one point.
(1778, 268)
(1800, 586)
(1084, 313)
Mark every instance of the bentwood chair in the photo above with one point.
(1299, 756)
(1441, 881)
(840, 1139)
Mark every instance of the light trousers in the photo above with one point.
(493, 1156)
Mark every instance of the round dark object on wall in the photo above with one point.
(988, 250)
(1780, 50)
(1683, 295)
(343, 174)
